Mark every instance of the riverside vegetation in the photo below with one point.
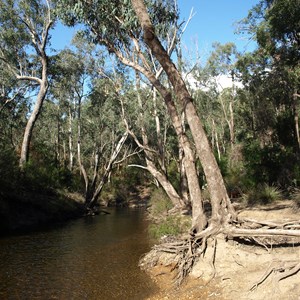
(114, 112)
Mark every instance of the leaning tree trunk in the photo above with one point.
(224, 220)
(160, 176)
(108, 169)
(34, 115)
(165, 184)
(221, 206)
(39, 43)
(198, 216)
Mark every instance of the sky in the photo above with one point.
(213, 21)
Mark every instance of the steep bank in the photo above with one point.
(26, 210)
(237, 270)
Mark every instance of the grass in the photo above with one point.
(296, 199)
(170, 226)
(165, 225)
(262, 194)
(159, 203)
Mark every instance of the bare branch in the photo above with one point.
(138, 166)
(30, 78)
(127, 156)
(239, 232)
(20, 90)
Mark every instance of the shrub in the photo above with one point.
(170, 226)
(9, 170)
(173, 174)
(270, 194)
(166, 225)
(296, 199)
(262, 194)
(159, 203)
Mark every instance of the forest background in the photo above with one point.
(77, 120)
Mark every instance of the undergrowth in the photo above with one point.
(170, 226)
(262, 194)
(159, 204)
(296, 199)
(165, 224)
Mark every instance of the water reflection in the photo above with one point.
(94, 258)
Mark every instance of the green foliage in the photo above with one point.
(170, 226)
(41, 176)
(236, 181)
(17, 20)
(173, 175)
(9, 169)
(109, 22)
(262, 194)
(271, 164)
(270, 75)
(165, 224)
(222, 59)
(123, 183)
(159, 203)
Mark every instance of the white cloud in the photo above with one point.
(222, 82)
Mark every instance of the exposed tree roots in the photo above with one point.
(283, 268)
(267, 234)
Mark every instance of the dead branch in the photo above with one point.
(265, 232)
(269, 224)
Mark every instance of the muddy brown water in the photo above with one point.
(90, 258)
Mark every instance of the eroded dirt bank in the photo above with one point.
(235, 270)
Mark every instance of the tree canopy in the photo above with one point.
(119, 100)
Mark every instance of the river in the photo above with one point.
(89, 258)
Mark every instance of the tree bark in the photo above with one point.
(221, 205)
(70, 141)
(34, 116)
(192, 178)
(188, 160)
(296, 117)
(160, 176)
(39, 44)
(107, 172)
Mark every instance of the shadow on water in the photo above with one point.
(90, 258)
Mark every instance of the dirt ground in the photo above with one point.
(238, 267)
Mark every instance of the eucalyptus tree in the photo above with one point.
(275, 26)
(24, 33)
(271, 77)
(127, 28)
(105, 138)
(13, 109)
(119, 31)
(221, 63)
(142, 117)
(217, 95)
(147, 121)
(90, 116)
